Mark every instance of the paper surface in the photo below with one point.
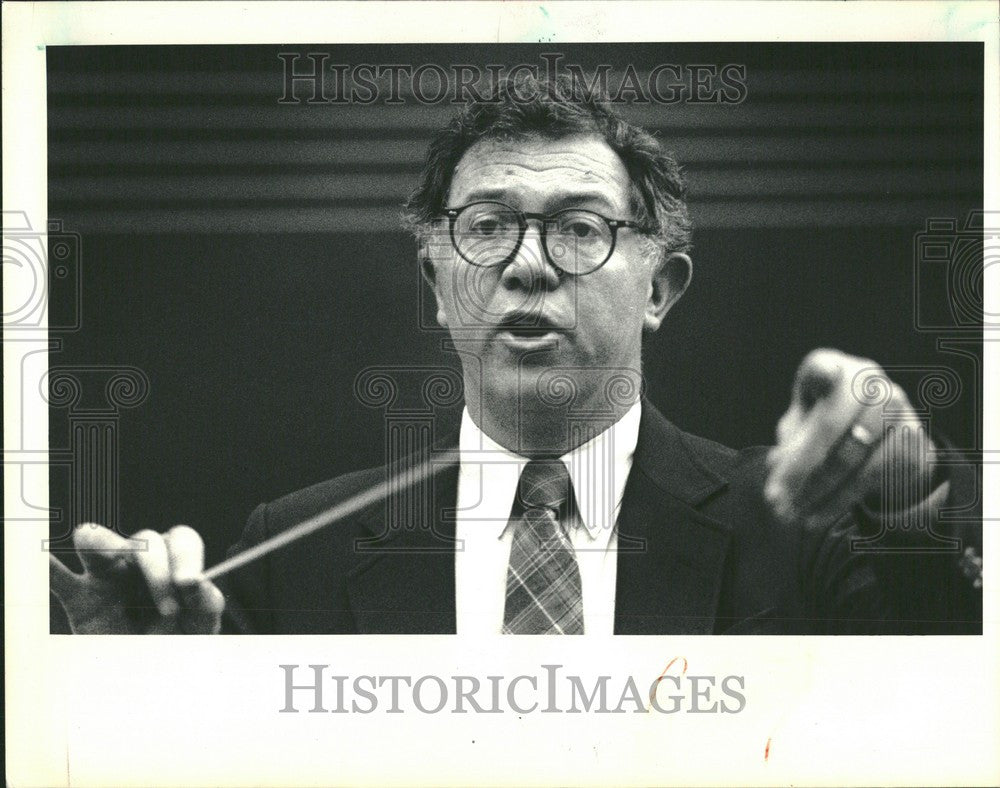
(201, 710)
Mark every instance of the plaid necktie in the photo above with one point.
(543, 580)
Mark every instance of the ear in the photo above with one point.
(429, 273)
(670, 279)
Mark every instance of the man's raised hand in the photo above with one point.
(849, 434)
(148, 584)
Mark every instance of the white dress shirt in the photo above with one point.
(487, 483)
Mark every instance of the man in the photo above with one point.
(554, 235)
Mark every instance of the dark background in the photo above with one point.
(246, 256)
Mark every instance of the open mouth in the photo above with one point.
(526, 324)
(526, 331)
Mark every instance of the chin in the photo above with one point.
(501, 384)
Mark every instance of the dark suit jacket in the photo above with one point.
(698, 554)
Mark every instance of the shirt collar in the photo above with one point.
(598, 468)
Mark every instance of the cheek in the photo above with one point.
(620, 299)
(466, 291)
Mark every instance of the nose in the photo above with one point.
(530, 268)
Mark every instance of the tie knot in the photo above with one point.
(544, 484)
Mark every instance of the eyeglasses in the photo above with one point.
(576, 241)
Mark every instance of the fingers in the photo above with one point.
(134, 576)
(153, 561)
(817, 376)
(172, 564)
(101, 550)
(823, 409)
(906, 465)
(848, 426)
(63, 582)
(834, 496)
(971, 565)
(202, 603)
(186, 554)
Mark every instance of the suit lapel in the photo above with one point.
(404, 582)
(670, 555)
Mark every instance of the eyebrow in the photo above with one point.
(556, 203)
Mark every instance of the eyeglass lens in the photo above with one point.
(489, 234)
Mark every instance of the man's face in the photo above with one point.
(520, 324)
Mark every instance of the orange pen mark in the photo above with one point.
(656, 683)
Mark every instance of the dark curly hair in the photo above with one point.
(528, 106)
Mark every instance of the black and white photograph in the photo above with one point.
(436, 341)
(459, 274)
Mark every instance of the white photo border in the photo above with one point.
(201, 710)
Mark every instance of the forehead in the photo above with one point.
(539, 174)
